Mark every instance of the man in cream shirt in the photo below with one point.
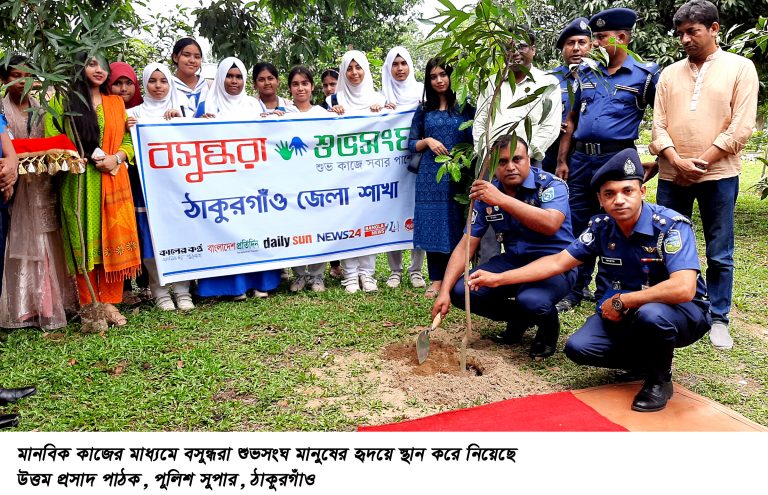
(703, 116)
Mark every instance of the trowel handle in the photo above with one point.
(436, 322)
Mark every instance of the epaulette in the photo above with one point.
(650, 67)
(659, 219)
(682, 218)
(598, 221)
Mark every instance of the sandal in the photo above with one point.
(431, 293)
(113, 316)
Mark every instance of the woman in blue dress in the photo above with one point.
(438, 218)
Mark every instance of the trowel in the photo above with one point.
(422, 341)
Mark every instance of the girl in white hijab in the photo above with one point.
(399, 87)
(160, 98)
(398, 83)
(227, 97)
(160, 101)
(355, 91)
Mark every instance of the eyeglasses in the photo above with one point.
(522, 47)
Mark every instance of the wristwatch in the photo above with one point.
(119, 160)
(617, 304)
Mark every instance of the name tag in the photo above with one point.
(611, 261)
(494, 218)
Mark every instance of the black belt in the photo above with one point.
(604, 147)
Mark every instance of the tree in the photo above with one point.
(476, 41)
(314, 33)
(653, 37)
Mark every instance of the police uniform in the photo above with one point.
(577, 27)
(530, 303)
(661, 243)
(610, 108)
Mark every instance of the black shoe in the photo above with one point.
(544, 343)
(630, 376)
(512, 335)
(652, 397)
(11, 395)
(566, 305)
(8, 421)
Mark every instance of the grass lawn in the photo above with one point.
(314, 361)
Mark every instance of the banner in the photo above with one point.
(226, 197)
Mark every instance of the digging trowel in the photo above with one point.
(422, 341)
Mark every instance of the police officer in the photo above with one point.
(528, 210)
(574, 44)
(604, 120)
(652, 296)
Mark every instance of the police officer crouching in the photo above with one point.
(528, 210)
(651, 295)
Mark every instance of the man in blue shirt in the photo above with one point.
(528, 210)
(651, 295)
(574, 44)
(604, 120)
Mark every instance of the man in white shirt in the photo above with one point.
(544, 131)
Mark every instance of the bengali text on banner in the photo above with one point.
(226, 197)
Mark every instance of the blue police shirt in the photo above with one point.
(540, 189)
(611, 107)
(661, 243)
(563, 74)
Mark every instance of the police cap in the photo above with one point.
(624, 165)
(613, 20)
(577, 27)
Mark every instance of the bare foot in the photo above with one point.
(114, 316)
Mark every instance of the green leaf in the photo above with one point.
(528, 127)
(546, 107)
(461, 199)
(455, 171)
(440, 173)
(442, 158)
(528, 99)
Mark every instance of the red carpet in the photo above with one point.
(552, 412)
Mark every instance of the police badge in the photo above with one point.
(583, 25)
(673, 242)
(600, 22)
(629, 167)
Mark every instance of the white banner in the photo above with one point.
(226, 197)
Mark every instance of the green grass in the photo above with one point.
(253, 365)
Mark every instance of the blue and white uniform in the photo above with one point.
(610, 108)
(661, 243)
(534, 302)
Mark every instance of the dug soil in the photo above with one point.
(391, 385)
